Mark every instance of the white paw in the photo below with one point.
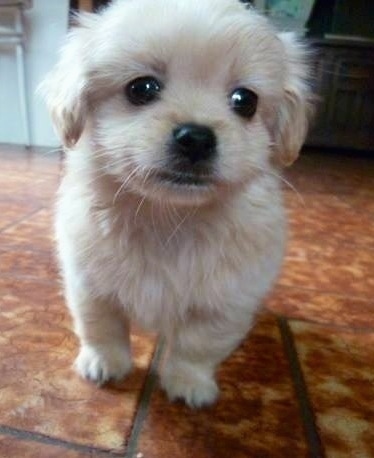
(194, 387)
(100, 364)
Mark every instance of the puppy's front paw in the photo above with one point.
(100, 364)
(195, 387)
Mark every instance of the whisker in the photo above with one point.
(53, 151)
(280, 177)
(154, 223)
(179, 225)
(142, 200)
(290, 185)
(144, 197)
(171, 213)
(122, 186)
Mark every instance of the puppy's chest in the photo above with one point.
(155, 277)
(135, 260)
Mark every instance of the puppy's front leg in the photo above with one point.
(104, 336)
(193, 353)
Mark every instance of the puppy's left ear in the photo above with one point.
(295, 111)
(65, 87)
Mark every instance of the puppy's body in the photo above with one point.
(218, 255)
(186, 248)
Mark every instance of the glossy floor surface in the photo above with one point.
(301, 385)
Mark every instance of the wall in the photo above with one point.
(46, 25)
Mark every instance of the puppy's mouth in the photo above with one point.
(184, 179)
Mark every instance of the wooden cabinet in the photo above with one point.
(344, 80)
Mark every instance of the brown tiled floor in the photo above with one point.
(302, 384)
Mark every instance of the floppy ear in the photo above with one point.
(65, 87)
(294, 112)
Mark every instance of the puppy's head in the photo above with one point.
(181, 100)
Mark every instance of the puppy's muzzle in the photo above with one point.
(193, 143)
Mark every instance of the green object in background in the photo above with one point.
(290, 14)
(291, 8)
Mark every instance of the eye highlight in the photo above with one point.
(244, 102)
(143, 90)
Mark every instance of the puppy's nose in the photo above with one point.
(195, 142)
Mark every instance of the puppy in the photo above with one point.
(176, 117)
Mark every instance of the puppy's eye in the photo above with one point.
(143, 90)
(244, 102)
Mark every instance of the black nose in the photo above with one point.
(195, 142)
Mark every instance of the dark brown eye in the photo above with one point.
(244, 102)
(144, 90)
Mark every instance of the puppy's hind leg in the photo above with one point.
(103, 332)
(193, 353)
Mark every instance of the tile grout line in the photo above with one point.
(306, 410)
(144, 403)
(30, 436)
(23, 218)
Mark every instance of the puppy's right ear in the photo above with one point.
(296, 108)
(65, 87)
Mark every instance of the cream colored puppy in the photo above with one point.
(175, 116)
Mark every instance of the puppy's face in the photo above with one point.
(179, 100)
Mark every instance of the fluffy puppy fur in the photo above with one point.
(185, 253)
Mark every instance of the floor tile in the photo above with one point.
(39, 160)
(327, 280)
(28, 263)
(327, 173)
(32, 233)
(39, 188)
(14, 447)
(330, 220)
(323, 308)
(12, 212)
(257, 414)
(320, 176)
(39, 392)
(329, 267)
(338, 370)
(361, 202)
